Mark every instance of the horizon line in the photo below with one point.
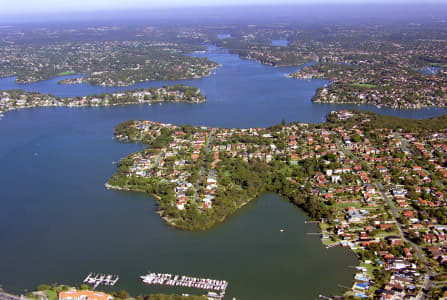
(222, 5)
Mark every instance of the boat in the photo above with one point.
(115, 281)
(108, 280)
(281, 230)
(88, 277)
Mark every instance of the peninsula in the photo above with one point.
(375, 184)
(18, 99)
(103, 63)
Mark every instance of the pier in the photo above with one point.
(98, 279)
(333, 245)
(186, 281)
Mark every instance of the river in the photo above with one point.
(58, 223)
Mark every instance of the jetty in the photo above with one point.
(314, 233)
(333, 245)
(98, 279)
(187, 281)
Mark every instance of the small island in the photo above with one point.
(18, 99)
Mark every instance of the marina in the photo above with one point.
(98, 279)
(186, 281)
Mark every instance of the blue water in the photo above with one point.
(223, 36)
(430, 70)
(280, 42)
(240, 93)
(58, 223)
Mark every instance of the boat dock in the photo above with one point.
(186, 281)
(333, 245)
(98, 279)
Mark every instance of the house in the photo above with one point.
(336, 179)
(394, 240)
(371, 189)
(399, 193)
(435, 252)
(408, 213)
(407, 253)
(84, 295)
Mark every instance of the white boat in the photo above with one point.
(88, 277)
(115, 281)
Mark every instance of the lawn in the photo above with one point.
(66, 73)
(327, 242)
(341, 206)
(437, 65)
(369, 269)
(365, 85)
(52, 295)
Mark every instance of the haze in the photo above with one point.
(20, 7)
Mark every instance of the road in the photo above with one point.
(203, 169)
(416, 249)
(395, 213)
(157, 160)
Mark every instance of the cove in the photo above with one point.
(58, 222)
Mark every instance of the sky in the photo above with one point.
(20, 7)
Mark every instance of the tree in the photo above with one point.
(43, 287)
(121, 294)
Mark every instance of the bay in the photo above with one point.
(58, 223)
(280, 42)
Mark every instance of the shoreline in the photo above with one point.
(172, 224)
(90, 105)
(81, 77)
(380, 106)
(168, 221)
(221, 220)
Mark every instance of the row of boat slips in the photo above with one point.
(97, 279)
(185, 281)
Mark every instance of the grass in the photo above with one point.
(341, 206)
(324, 226)
(437, 65)
(383, 234)
(365, 85)
(327, 242)
(66, 73)
(369, 269)
(52, 295)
